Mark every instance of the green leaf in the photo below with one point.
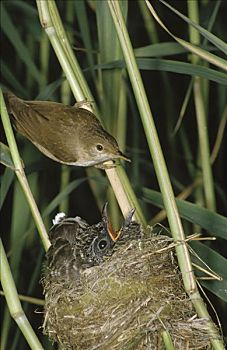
(48, 90)
(5, 156)
(11, 32)
(207, 56)
(208, 35)
(82, 18)
(62, 195)
(20, 221)
(174, 67)
(6, 182)
(214, 223)
(12, 81)
(109, 50)
(162, 49)
(217, 263)
(183, 68)
(26, 8)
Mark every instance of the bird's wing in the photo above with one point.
(48, 125)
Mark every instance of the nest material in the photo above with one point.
(125, 303)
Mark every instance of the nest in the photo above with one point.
(126, 302)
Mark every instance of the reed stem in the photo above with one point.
(14, 304)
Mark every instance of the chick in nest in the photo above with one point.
(116, 290)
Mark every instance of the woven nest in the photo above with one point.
(126, 302)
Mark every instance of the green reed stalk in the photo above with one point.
(161, 170)
(208, 182)
(151, 134)
(51, 22)
(14, 304)
(21, 174)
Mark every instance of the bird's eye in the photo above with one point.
(99, 147)
(102, 244)
(101, 247)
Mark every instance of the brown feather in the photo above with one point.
(67, 134)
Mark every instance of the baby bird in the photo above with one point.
(76, 245)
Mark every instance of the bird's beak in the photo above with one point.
(122, 156)
(127, 221)
(128, 218)
(107, 224)
(114, 235)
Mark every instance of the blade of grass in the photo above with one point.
(207, 34)
(12, 80)
(172, 66)
(83, 23)
(149, 24)
(44, 53)
(14, 304)
(213, 223)
(207, 56)
(186, 192)
(187, 96)
(62, 195)
(19, 224)
(162, 49)
(33, 282)
(110, 49)
(169, 106)
(11, 32)
(208, 182)
(21, 175)
(167, 340)
(183, 108)
(49, 89)
(6, 182)
(27, 9)
(20, 219)
(28, 299)
(6, 158)
(220, 136)
(218, 264)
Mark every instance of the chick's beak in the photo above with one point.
(107, 224)
(114, 235)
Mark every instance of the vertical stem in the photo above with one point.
(154, 146)
(161, 171)
(149, 22)
(21, 175)
(51, 22)
(14, 304)
(208, 182)
(44, 56)
(65, 177)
